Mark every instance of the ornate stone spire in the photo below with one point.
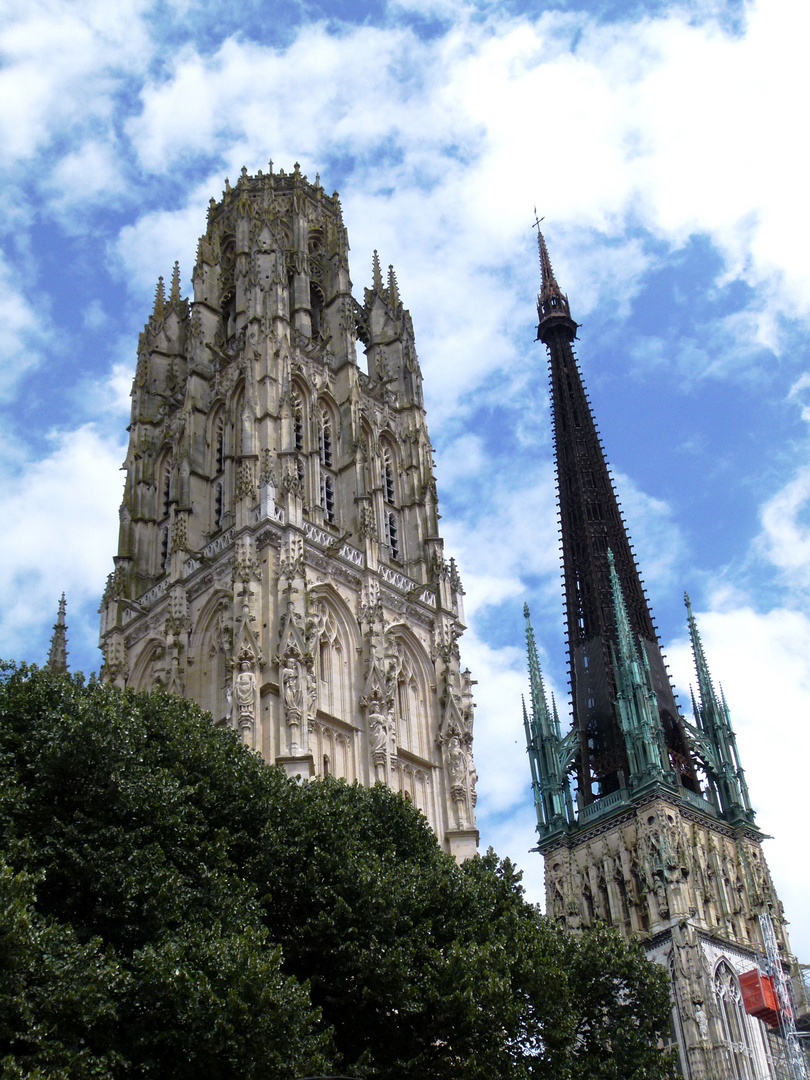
(591, 524)
(174, 296)
(377, 281)
(393, 289)
(159, 309)
(57, 654)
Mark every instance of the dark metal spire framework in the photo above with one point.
(592, 526)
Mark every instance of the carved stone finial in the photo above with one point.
(57, 656)
(159, 309)
(393, 288)
(377, 282)
(174, 295)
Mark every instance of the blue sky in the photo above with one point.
(664, 145)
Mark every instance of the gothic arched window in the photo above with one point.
(392, 533)
(219, 505)
(410, 702)
(166, 488)
(315, 309)
(298, 421)
(735, 1022)
(331, 674)
(390, 514)
(328, 496)
(163, 512)
(219, 445)
(326, 455)
(325, 438)
(387, 471)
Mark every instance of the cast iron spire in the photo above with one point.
(591, 525)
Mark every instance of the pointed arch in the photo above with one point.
(389, 472)
(144, 674)
(208, 678)
(217, 453)
(216, 435)
(242, 423)
(327, 419)
(416, 732)
(164, 496)
(391, 496)
(335, 645)
(300, 406)
(735, 1022)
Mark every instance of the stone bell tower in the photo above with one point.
(279, 559)
(659, 838)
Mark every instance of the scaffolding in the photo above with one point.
(790, 1062)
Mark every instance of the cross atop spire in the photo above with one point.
(552, 302)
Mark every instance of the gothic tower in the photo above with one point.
(660, 839)
(279, 559)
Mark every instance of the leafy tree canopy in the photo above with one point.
(170, 906)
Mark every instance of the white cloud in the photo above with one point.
(508, 531)
(149, 248)
(25, 331)
(62, 63)
(785, 537)
(60, 528)
(89, 174)
(656, 533)
(762, 661)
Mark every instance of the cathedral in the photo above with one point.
(280, 563)
(659, 839)
(279, 557)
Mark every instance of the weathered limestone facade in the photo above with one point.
(691, 888)
(279, 559)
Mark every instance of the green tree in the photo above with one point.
(172, 906)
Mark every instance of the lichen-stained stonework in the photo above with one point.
(279, 558)
(690, 888)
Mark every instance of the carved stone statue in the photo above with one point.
(455, 761)
(245, 698)
(377, 731)
(292, 691)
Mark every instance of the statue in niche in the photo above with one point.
(378, 735)
(292, 691)
(472, 774)
(245, 695)
(702, 1021)
(312, 695)
(377, 730)
(455, 761)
